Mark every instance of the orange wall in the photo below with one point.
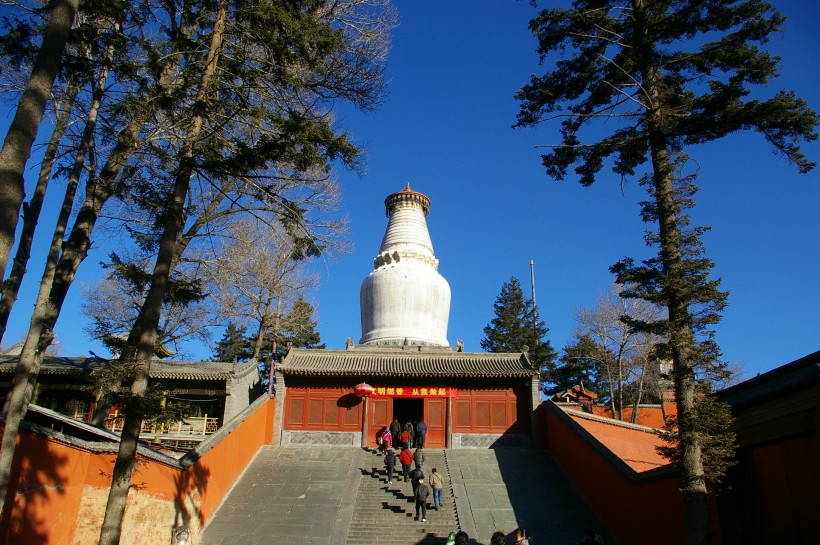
(222, 465)
(637, 514)
(59, 491)
(772, 494)
(647, 416)
(635, 447)
(46, 483)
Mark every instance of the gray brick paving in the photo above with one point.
(505, 489)
(303, 495)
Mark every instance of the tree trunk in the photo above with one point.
(39, 337)
(638, 397)
(31, 212)
(611, 392)
(143, 336)
(680, 343)
(620, 360)
(671, 245)
(260, 334)
(23, 130)
(59, 275)
(40, 333)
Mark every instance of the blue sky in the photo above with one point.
(446, 129)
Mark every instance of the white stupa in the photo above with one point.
(405, 300)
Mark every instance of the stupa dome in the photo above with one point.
(405, 300)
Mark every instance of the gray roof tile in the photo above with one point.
(405, 362)
(203, 370)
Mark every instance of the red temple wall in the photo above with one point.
(487, 411)
(334, 409)
(322, 409)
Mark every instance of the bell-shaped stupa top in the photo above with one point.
(405, 300)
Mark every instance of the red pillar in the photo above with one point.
(365, 420)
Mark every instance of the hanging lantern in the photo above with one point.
(363, 390)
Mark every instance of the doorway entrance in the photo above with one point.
(405, 409)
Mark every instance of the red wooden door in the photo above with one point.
(435, 414)
(378, 418)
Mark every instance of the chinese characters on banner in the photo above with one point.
(413, 391)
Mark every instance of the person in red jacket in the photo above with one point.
(406, 459)
(404, 439)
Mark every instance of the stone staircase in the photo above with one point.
(384, 514)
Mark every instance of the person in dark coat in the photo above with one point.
(497, 539)
(395, 430)
(410, 429)
(421, 433)
(418, 457)
(390, 464)
(420, 495)
(415, 476)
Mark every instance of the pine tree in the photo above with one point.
(298, 329)
(263, 78)
(234, 346)
(636, 83)
(580, 365)
(515, 327)
(22, 132)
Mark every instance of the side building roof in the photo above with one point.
(785, 380)
(160, 369)
(411, 361)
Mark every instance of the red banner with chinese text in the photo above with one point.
(413, 391)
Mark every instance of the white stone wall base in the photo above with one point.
(491, 440)
(460, 440)
(340, 438)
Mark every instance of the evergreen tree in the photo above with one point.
(637, 82)
(296, 329)
(580, 365)
(22, 132)
(234, 345)
(516, 325)
(262, 79)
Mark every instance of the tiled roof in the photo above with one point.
(405, 362)
(782, 381)
(203, 370)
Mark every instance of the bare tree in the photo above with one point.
(627, 355)
(113, 302)
(256, 278)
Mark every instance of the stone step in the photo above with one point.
(385, 513)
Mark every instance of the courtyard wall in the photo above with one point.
(59, 484)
